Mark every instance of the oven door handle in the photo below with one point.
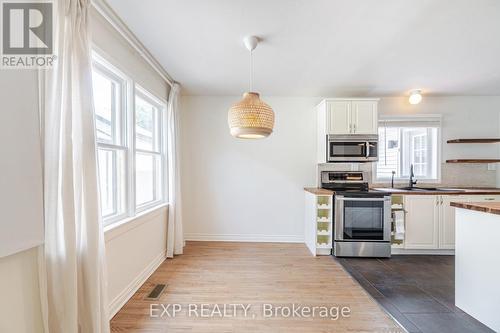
(367, 149)
(339, 221)
(361, 199)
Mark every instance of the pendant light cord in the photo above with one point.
(251, 70)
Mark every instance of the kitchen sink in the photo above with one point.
(429, 189)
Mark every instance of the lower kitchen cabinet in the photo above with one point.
(430, 220)
(484, 198)
(318, 223)
(447, 220)
(422, 222)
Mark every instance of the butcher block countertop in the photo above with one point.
(485, 207)
(446, 190)
(318, 191)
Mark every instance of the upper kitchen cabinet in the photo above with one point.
(338, 117)
(345, 116)
(364, 117)
(348, 116)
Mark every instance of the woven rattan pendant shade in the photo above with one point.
(251, 118)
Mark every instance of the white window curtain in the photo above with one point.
(175, 238)
(73, 282)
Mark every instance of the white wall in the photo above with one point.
(246, 190)
(252, 190)
(20, 162)
(133, 251)
(20, 310)
(21, 225)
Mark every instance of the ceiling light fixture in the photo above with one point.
(251, 118)
(415, 97)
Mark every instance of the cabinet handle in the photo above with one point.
(354, 128)
(489, 199)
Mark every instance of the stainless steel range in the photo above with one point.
(362, 217)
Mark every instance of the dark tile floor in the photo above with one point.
(418, 291)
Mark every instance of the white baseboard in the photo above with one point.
(244, 238)
(120, 300)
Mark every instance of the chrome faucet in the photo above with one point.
(412, 175)
(392, 178)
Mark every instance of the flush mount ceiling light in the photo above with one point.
(415, 97)
(251, 118)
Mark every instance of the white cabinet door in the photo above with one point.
(447, 220)
(422, 219)
(339, 117)
(364, 117)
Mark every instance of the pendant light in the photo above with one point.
(251, 118)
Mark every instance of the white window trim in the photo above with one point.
(437, 118)
(131, 212)
(162, 107)
(102, 65)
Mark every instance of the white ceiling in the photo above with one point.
(323, 47)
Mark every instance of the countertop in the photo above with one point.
(318, 191)
(450, 191)
(486, 207)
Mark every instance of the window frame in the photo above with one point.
(129, 88)
(418, 120)
(107, 70)
(425, 152)
(113, 74)
(161, 106)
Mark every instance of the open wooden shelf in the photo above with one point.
(484, 160)
(474, 141)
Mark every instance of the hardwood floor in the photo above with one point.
(253, 274)
(419, 291)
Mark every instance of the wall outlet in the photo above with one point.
(492, 166)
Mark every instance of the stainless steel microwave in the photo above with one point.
(352, 148)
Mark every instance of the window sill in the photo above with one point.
(119, 227)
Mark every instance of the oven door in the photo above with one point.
(362, 219)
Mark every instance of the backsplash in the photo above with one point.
(455, 175)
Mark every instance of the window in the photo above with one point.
(404, 142)
(148, 149)
(109, 94)
(130, 144)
